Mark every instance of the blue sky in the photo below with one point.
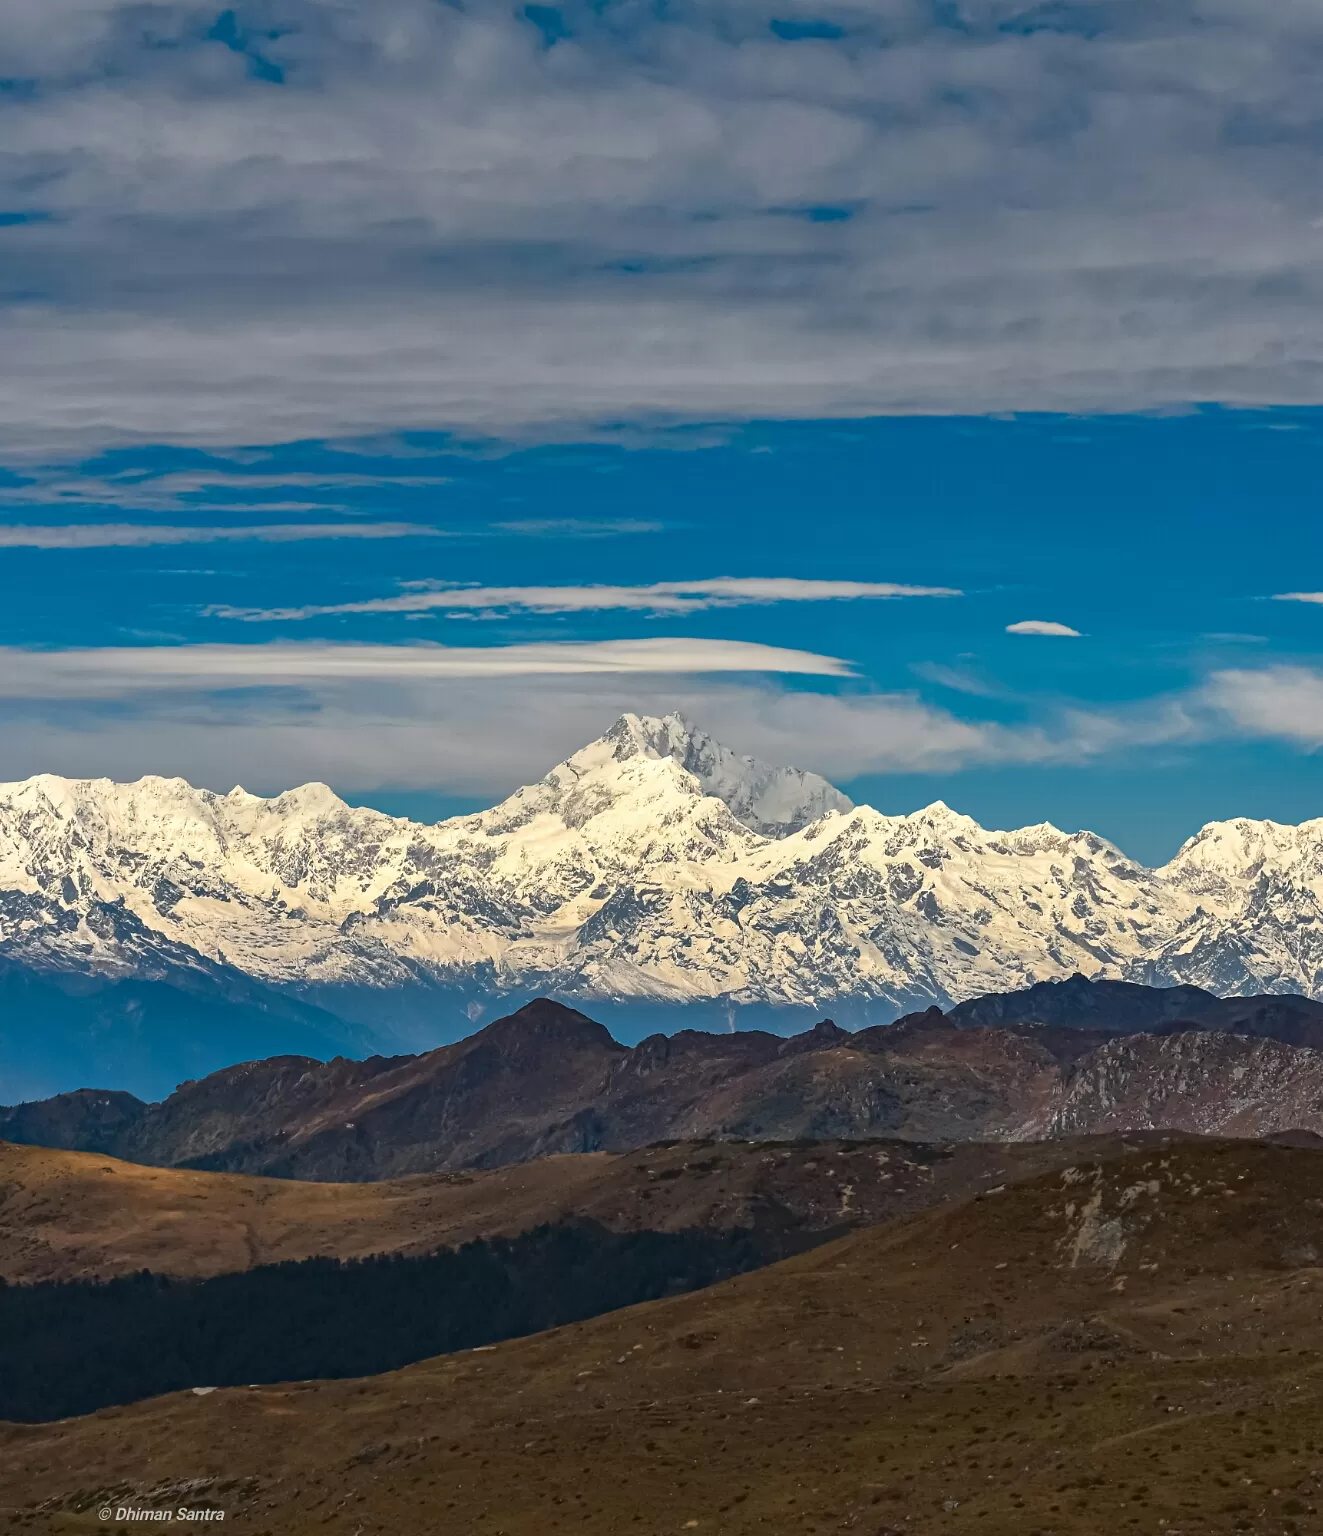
(1190, 691)
(381, 340)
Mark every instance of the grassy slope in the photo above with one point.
(70, 1215)
(1137, 1346)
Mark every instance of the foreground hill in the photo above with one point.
(1069, 1058)
(71, 1215)
(1133, 1344)
(653, 871)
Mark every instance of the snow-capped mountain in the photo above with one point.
(654, 866)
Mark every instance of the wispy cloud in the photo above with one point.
(1298, 597)
(116, 670)
(675, 597)
(141, 535)
(577, 527)
(189, 490)
(1043, 627)
(958, 680)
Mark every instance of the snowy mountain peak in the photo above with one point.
(941, 817)
(768, 800)
(313, 799)
(655, 863)
(1268, 856)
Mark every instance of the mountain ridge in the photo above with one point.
(549, 1080)
(653, 871)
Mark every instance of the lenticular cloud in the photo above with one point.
(1042, 627)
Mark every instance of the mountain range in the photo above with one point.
(1069, 1058)
(655, 877)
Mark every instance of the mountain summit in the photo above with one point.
(654, 867)
(768, 800)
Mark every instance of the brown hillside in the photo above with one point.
(72, 1215)
(549, 1080)
(1127, 1346)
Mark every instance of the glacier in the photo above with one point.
(654, 869)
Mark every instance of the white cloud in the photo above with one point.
(655, 597)
(1042, 627)
(959, 680)
(479, 721)
(1281, 702)
(438, 219)
(472, 735)
(118, 671)
(140, 535)
(1298, 597)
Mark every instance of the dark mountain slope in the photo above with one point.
(1123, 1008)
(550, 1080)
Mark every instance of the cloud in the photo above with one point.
(480, 721)
(111, 671)
(1283, 702)
(1042, 627)
(186, 490)
(656, 597)
(958, 680)
(462, 734)
(383, 215)
(578, 527)
(140, 535)
(1298, 597)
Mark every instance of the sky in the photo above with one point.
(925, 394)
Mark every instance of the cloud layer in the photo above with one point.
(668, 597)
(480, 721)
(474, 735)
(141, 535)
(306, 220)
